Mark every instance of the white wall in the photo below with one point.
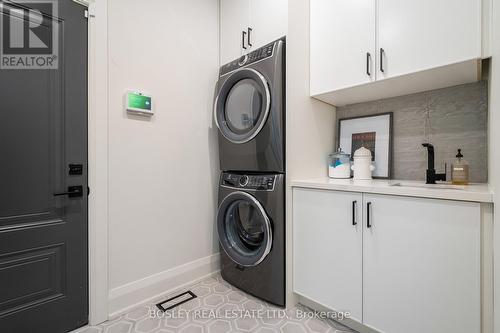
(163, 171)
(310, 123)
(495, 150)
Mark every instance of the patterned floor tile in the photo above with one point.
(138, 313)
(317, 326)
(219, 326)
(148, 325)
(219, 308)
(120, 327)
(292, 327)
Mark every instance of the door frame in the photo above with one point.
(98, 158)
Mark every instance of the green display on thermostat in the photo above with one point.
(139, 101)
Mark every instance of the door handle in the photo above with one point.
(368, 61)
(382, 53)
(249, 38)
(243, 35)
(73, 192)
(354, 206)
(368, 208)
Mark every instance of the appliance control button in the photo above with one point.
(243, 60)
(244, 181)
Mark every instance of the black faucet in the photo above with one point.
(432, 176)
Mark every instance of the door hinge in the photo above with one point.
(86, 14)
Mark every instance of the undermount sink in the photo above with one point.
(430, 186)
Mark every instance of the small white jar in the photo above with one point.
(363, 166)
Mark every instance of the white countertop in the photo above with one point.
(472, 192)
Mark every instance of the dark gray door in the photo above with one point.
(43, 130)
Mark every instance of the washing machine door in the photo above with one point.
(242, 105)
(244, 229)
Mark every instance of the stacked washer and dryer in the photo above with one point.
(249, 111)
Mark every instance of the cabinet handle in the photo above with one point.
(368, 208)
(368, 61)
(249, 36)
(243, 35)
(354, 206)
(382, 53)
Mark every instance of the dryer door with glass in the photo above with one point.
(242, 105)
(244, 229)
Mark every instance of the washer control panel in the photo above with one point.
(249, 182)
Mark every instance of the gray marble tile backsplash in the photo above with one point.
(450, 118)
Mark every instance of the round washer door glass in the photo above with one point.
(242, 105)
(244, 229)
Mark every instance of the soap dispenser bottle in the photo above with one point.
(460, 170)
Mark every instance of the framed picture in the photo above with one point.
(373, 132)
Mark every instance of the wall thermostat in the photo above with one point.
(139, 103)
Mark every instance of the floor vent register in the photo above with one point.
(176, 301)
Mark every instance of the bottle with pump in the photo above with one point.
(460, 170)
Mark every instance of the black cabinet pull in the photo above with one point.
(249, 36)
(368, 208)
(368, 61)
(382, 52)
(354, 204)
(243, 35)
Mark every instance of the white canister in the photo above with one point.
(363, 166)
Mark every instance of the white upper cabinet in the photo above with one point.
(424, 34)
(246, 25)
(342, 44)
(268, 21)
(234, 20)
(419, 45)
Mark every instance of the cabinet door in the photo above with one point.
(342, 34)
(268, 21)
(327, 249)
(421, 265)
(234, 18)
(424, 34)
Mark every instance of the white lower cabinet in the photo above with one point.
(419, 263)
(327, 248)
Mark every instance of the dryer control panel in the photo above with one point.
(257, 55)
(249, 182)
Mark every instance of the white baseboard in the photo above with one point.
(124, 298)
